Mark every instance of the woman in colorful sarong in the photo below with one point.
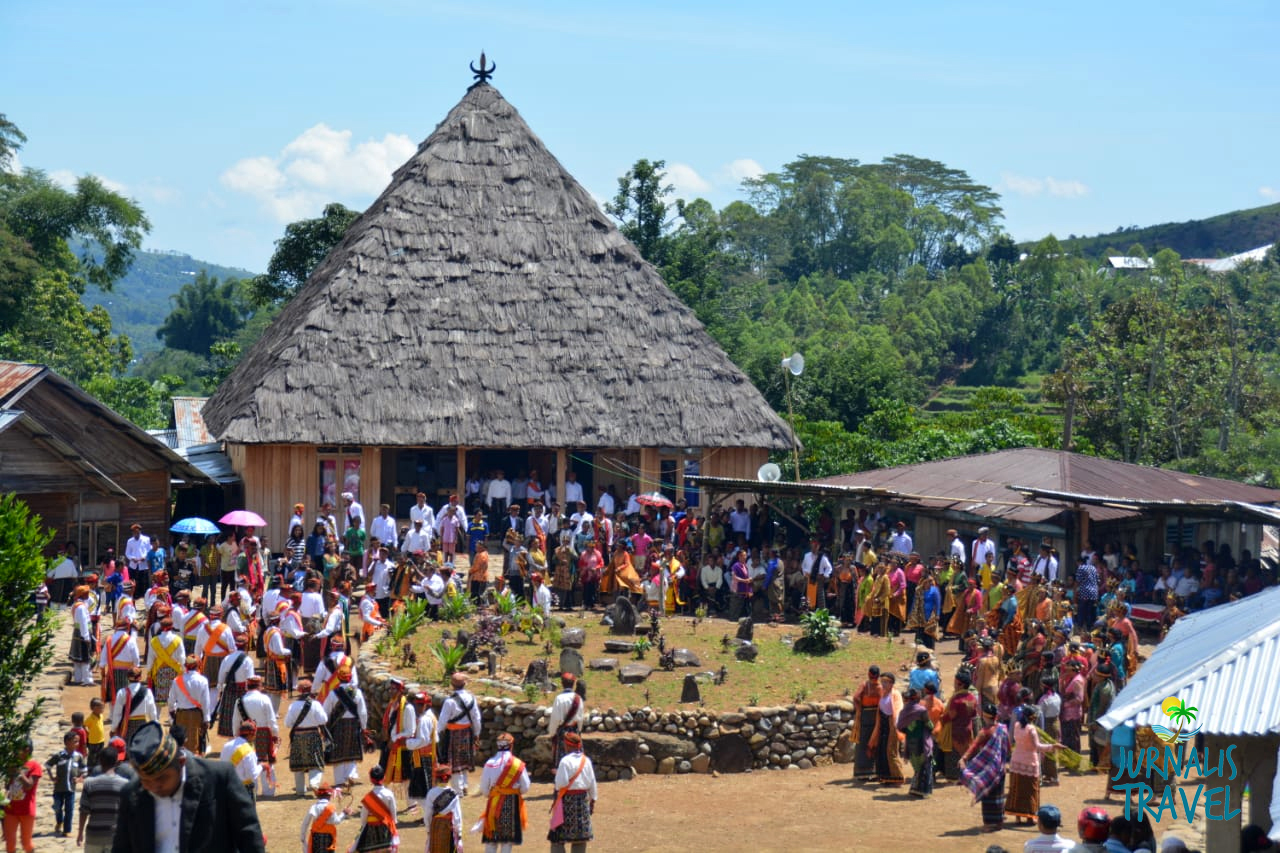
(1024, 766)
(917, 728)
(983, 765)
(866, 705)
(885, 738)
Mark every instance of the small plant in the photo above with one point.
(450, 657)
(821, 633)
(799, 695)
(456, 608)
(529, 623)
(401, 627)
(416, 609)
(699, 616)
(532, 692)
(641, 647)
(754, 699)
(408, 657)
(553, 633)
(507, 605)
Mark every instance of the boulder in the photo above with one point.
(844, 749)
(747, 652)
(611, 750)
(623, 614)
(746, 628)
(619, 647)
(573, 638)
(634, 673)
(701, 763)
(666, 766)
(603, 664)
(662, 745)
(731, 754)
(537, 674)
(685, 657)
(690, 692)
(571, 661)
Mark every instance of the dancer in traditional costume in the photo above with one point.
(983, 765)
(378, 831)
(167, 657)
(320, 823)
(423, 747)
(191, 706)
(443, 814)
(214, 641)
(348, 720)
(239, 752)
(370, 619)
(885, 738)
(917, 728)
(866, 705)
(277, 670)
(567, 715)
(503, 783)
(1024, 766)
(118, 658)
(256, 707)
(82, 640)
(460, 719)
(399, 724)
(575, 800)
(134, 707)
(335, 659)
(958, 720)
(232, 682)
(304, 719)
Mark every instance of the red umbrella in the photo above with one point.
(655, 499)
(243, 518)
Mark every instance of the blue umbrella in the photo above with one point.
(196, 525)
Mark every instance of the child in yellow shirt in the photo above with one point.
(984, 574)
(96, 728)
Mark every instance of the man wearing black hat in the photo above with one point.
(179, 802)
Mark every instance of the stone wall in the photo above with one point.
(644, 740)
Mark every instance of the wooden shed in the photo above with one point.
(483, 313)
(87, 471)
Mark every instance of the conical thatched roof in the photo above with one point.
(485, 300)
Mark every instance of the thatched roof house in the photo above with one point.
(484, 303)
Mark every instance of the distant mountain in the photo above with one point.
(139, 302)
(1218, 236)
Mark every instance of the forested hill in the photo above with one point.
(139, 302)
(1215, 237)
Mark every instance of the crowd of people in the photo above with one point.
(226, 638)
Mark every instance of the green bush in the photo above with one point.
(450, 657)
(821, 633)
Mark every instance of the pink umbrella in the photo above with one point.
(243, 518)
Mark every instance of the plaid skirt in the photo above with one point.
(993, 805)
(132, 726)
(189, 643)
(507, 829)
(191, 719)
(374, 837)
(558, 748)
(227, 705)
(461, 749)
(441, 834)
(81, 650)
(118, 681)
(312, 651)
(577, 819)
(306, 751)
(1024, 796)
(272, 679)
(209, 667)
(420, 777)
(264, 744)
(161, 681)
(345, 734)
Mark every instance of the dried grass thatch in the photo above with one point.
(485, 300)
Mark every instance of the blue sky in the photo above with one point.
(228, 120)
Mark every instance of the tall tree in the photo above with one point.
(641, 208)
(304, 245)
(204, 312)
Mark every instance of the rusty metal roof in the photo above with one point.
(1224, 662)
(188, 421)
(14, 377)
(980, 484)
(38, 434)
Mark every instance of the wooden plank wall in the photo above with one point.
(737, 462)
(152, 506)
(55, 510)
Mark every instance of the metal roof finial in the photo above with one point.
(483, 74)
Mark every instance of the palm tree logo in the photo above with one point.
(1180, 713)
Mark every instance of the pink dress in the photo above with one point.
(1026, 751)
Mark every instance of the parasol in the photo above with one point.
(202, 526)
(243, 518)
(655, 499)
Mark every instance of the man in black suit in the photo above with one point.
(183, 804)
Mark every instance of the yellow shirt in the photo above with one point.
(93, 724)
(984, 574)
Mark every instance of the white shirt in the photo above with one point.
(291, 624)
(740, 522)
(711, 576)
(260, 710)
(383, 527)
(542, 600)
(406, 727)
(65, 569)
(237, 668)
(820, 560)
(1046, 567)
(381, 578)
(369, 611)
(227, 642)
(586, 780)
(80, 613)
(312, 605)
(499, 490)
(332, 623)
(633, 504)
(560, 707)
(493, 770)
(198, 686)
(457, 511)
(1186, 586)
(426, 733)
(423, 513)
(127, 658)
(529, 524)
(168, 822)
(957, 549)
(314, 812)
(389, 800)
(572, 492)
(433, 586)
(331, 703)
(124, 698)
(315, 718)
(136, 548)
(454, 810)
(1047, 844)
(901, 542)
(248, 768)
(353, 511)
(982, 548)
(270, 599)
(454, 704)
(417, 541)
(606, 503)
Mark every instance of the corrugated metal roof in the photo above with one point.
(188, 421)
(210, 459)
(8, 418)
(980, 484)
(1189, 509)
(68, 454)
(15, 376)
(1224, 662)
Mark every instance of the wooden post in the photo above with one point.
(562, 462)
(1082, 530)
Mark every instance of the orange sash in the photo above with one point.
(505, 787)
(378, 811)
(183, 688)
(557, 808)
(321, 826)
(329, 683)
(212, 643)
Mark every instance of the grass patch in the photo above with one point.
(777, 677)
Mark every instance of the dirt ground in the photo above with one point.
(794, 810)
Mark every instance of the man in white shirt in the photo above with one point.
(540, 596)
(498, 497)
(299, 514)
(380, 575)
(536, 523)
(417, 540)
(740, 521)
(304, 719)
(572, 489)
(1048, 820)
(353, 510)
(956, 550)
(433, 590)
(317, 831)
(240, 754)
(383, 527)
(711, 580)
(444, 510)
(983, 548)
(191, 705)
(1187, 585)
(257, 709)
(817, 570)
(136, 548)
(901, 541)
(576, 790)
(1046, 565)
(568, 712)
(422, 511)
(63, 576)
(460, 724)
(633, 504)
(606, 502)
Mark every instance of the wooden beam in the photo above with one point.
(562, 462)
(460, 476)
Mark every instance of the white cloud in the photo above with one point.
(685, 181)
(741, 169)
(318, 165)
(1269, 192)
(66, 179)
(15, 164)
(1059, 187)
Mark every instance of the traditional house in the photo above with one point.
(483, 313)
(88, 472)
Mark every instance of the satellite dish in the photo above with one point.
(769, 473)
(794, 363)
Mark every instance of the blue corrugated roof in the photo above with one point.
(1224, 661)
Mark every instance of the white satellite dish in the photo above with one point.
(794, 363)
(769, 473)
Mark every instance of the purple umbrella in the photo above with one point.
(243, 518)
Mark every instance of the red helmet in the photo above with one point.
(1093, 825)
